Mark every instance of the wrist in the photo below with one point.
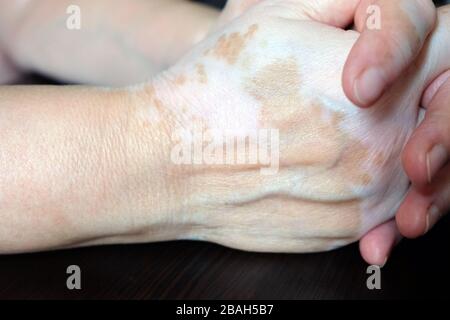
(156, 187)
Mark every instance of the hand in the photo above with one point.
(412, 215)
(426, 160)
(405, 26)
(339, 171)
(383, 52)
(428, 199)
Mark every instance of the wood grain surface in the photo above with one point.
(194, 270)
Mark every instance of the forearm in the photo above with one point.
(80, 166)
(120, 43)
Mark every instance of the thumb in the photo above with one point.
(387, 48)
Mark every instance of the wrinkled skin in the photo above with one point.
(340, 171)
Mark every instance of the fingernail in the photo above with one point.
(433, 216)
(436, 159)
(369, 85)
(384, 263)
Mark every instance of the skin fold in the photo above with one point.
(339, 174)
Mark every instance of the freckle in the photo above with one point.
(366, 179)
(158, 104)
(202, 76)
(150, 90)
(251, 31)
(146, 123)
(180, 80)
(338, 118)
(379, 159)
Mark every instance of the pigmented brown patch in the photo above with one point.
(379, 160)
(201, 73)
(148, 104)
(366, 179)
(350, 165)
(180, 80)
(277, 86)
(310, 134)
(154, 101)
(229, 47)
(444, 11)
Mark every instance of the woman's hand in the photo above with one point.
(393, 33)
(278, 67)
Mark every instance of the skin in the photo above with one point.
(117, 172)
(427, 200)
(77, 152)
(391, 50)
(129, 31)
(430, 175)
(380, 56)
(366, 53)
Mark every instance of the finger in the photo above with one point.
(422, 209)
(427, 151)
(433, 88)
(393, 33)
(377, 244)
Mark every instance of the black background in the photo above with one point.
(191, 270)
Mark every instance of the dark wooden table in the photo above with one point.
(193, 270)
